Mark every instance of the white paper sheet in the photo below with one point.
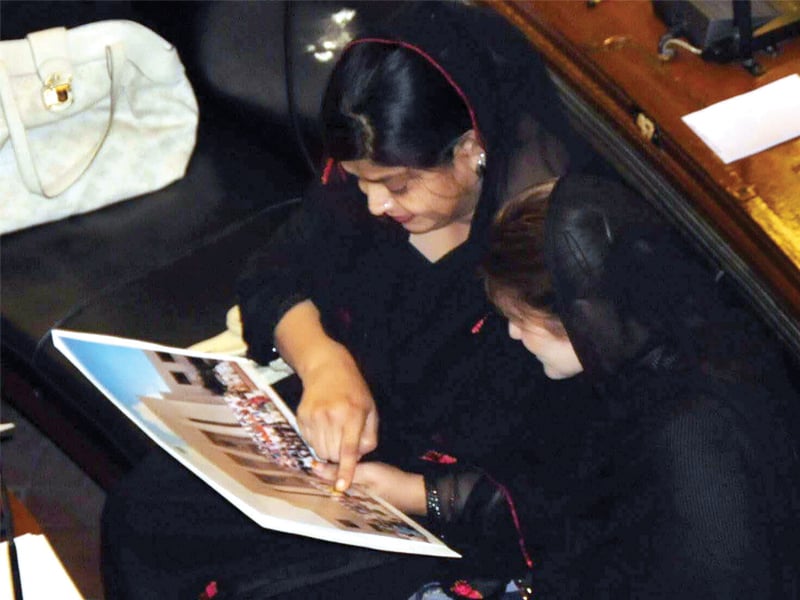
(749, 123)
(43, 576)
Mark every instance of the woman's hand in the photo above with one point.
(337, 415)
(403, 490)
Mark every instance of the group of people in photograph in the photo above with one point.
(470, 281)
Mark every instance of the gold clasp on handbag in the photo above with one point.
(57, 92)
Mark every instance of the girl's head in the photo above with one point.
(543, 335)
(518, 282)
(397, 122)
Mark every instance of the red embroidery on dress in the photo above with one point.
(439, 457)
(326, 172)
(210, 591)
(515, 517)
(464, 589)
(478, 326)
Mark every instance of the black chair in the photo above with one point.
(162, 267)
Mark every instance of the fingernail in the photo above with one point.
(340, 485)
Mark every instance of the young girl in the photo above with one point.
(676, 476)
(688, 485)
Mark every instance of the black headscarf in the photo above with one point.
(633, 295)
(700, 406)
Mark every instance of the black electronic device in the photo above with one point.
(727, 30)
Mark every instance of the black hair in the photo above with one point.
(406, 97)
(389, 104)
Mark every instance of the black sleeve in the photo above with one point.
(516, 502)
(300, 254)
(497, 526)
(274, 280)
(469, 511)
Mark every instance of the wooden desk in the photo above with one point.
(55, 579)
(24, 521)
(745, 214)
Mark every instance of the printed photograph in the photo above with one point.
(234, 431)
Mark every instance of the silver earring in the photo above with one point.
(480, 168)
(386, 205)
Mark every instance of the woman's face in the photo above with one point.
(420, 200)
(553, 350)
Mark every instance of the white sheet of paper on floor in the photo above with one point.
(43, 576)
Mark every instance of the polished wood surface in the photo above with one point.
(24, 521)
(608, 55)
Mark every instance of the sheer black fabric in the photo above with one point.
(636, 301)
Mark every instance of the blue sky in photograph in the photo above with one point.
(126, 373)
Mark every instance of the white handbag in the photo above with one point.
(89, 116)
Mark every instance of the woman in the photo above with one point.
(689, 484)
(371, 294)
(434, 146)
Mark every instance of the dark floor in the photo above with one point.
(65, 501)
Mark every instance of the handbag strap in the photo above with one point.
(115, 60)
